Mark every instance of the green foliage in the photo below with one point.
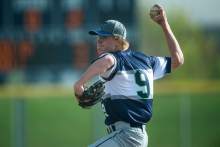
(199, 50)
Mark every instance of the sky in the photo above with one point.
(201, 11)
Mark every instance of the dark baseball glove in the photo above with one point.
(92, 95)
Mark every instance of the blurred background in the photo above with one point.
(45, 47)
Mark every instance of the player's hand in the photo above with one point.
(78, 89)
(158, 14)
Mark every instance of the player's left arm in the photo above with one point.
(99, 67)
(173, 45)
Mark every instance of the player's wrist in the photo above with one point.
(164, 23)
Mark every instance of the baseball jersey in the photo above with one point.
(129, 86)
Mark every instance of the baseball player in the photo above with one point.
(128, 76)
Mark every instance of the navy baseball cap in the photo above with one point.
(110, 28)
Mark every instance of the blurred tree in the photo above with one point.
(200, 52)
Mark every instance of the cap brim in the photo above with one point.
(99, 33)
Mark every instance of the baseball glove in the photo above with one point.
(92, 95)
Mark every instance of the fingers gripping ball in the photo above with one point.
(154, 11)
(92, 95)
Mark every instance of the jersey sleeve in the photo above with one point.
(110, 72)
(161, 66)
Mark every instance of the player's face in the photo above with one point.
(105, 44)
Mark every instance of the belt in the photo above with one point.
(122, 125)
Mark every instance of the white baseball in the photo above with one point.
(154, 11)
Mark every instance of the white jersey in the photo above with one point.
(129, 86)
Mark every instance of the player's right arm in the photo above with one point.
(99, 67)
(173, 45)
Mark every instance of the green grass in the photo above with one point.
(206, 120)
(55, 122)
(5, 123)
(164, 129)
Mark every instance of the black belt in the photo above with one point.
(111, 128)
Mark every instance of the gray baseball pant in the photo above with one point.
(123, 136)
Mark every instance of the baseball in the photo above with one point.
(154, 11)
